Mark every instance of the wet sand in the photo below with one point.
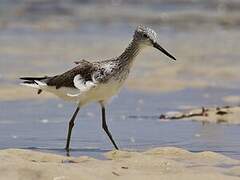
(159, 163)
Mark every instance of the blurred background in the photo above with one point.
(45, 37)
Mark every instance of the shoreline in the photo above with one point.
(158, 163)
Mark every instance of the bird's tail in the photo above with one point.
(34, 82)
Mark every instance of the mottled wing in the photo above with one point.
(105, 70)
(83, 72)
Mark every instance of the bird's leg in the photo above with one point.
(70, 126)
(105, 127)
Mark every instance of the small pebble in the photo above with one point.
(116, 174)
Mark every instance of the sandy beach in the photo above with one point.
(158, 163)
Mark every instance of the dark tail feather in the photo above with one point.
(29, 82)
(33, 78)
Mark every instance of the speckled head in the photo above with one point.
(145, 35)
(148, 37)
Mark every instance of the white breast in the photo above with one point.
(103, 91)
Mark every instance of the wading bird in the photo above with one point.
(96, 81)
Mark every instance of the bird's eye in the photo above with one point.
(144, 35)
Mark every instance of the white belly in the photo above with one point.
(102, 92)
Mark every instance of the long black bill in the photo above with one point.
(156, 45)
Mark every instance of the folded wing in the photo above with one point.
(73, 78)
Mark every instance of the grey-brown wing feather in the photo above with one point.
(84, 68)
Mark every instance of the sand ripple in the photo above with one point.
(159, 163)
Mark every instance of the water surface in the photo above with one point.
(132, 119)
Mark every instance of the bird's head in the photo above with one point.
(148, 37)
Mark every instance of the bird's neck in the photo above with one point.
(130, 52)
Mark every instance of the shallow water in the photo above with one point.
(132, 118)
